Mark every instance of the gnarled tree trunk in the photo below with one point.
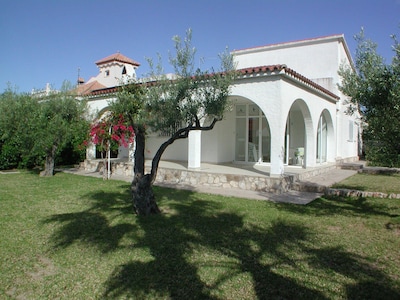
(142, 192)
(141, 188)
(49, 163)
(144, 202)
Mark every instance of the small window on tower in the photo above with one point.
(124, 71)
(107, 73)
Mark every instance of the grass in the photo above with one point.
(72, 237)
(372, 183)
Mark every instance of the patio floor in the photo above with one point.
(247, 169)
(240, 180)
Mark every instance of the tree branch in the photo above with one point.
(180, 134)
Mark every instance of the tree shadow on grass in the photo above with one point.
(369, 281)
(199, 249)
(340, 205)
(226, 243)
(93, 225)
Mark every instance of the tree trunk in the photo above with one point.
(141, 188)
(49, 163)
(105, 162)
(140, 138)
(144, 202)
(142, 185)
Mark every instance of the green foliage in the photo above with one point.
(374, 91)
(31, 127)
(59, 123)
(130, 103)
(16, 114)
(192, 96)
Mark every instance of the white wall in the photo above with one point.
(115, 76)
(217, 145)
(178, 151)
(312, 58)
(97, 105)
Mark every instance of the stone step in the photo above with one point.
(308, 187)
(350, 166)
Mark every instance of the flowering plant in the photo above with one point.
(109, 131)
(113, 128)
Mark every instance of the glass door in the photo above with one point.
(240, 152)
(253, 139)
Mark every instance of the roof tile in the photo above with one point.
(88, 88)
(117, 57)
(247, 71)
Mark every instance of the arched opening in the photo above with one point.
(322, 140)
(253, 135)
(298, 123)
(325, 139)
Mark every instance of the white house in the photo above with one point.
(286, 109)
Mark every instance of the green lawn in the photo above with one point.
(372, 183)
(73, 237)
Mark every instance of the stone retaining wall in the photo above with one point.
(379, 170)
(315, 172)
(117, 167)
(199, 178)
(244, 182)
(355, 193)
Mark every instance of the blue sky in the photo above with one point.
(45, 41)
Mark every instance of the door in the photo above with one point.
(253, 139)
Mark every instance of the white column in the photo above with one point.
(194, 155)
(310, 144)
(131, 152)
(277, 153)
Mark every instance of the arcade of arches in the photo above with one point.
(253, 135)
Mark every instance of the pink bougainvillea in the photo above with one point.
(113, 128)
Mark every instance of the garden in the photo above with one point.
(76, 237)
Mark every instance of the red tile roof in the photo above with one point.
(309, 82)
(249, 71)
(88, 88)
(103, 91)
(117, 57)
(270, 68)
(289, 72)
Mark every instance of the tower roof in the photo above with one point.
(117, 57)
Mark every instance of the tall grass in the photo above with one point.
(72, 237)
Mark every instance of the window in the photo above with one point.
(351, 126)
(107, 73)
(124, 71)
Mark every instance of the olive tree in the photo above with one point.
(374, 91)
(16, 139)
(59, 118)
(191, 100)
